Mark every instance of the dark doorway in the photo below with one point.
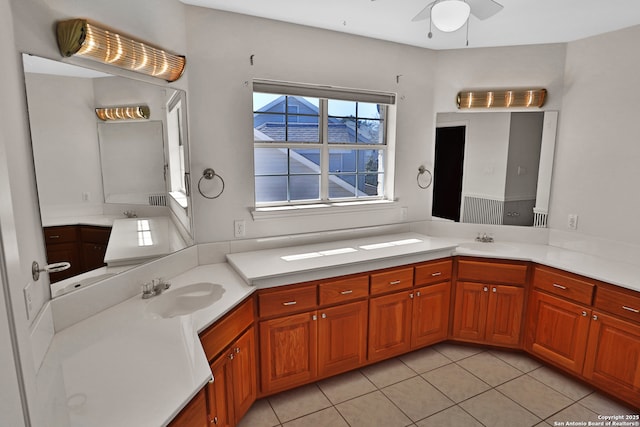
(447, 172)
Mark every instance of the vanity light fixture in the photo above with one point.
(516, 98)
(123, 113)
(88, 40)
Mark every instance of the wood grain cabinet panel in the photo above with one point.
(492, 272)
(344, 290)
(219, 401)
(389, 325)
(392, 280)
(222, 333)
(433, 272)
(194, 414)
(558, 330)
(288, 351)
(470, 311)
(291, 299)
(625, 304)
(244, 373)
(430, 314)
(342, 338)
(563, 284)
(613, 356)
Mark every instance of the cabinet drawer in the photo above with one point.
(95, 234)
(222, 333)
(344, 290)
(619, 303)
(492, 272)
(399, 278)
(64, 234)
(433, 272)
(564, 285)
(287, 301)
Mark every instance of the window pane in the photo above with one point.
(303, 105)
(271, 189)
(304, 161)
(263, 102)
(268, 127)
(270, 161)
(369, 132)
(341, 131)
(369, 111)
(304, 187)
(370, 160)
(339, 108)
(342, 186)
(368, 184)
(302, 129)
(342, 161)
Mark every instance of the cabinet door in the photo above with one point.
(560, 330)
(504, 315)
(244, 373)
(194, 414)
(470, 308)
(389, 325)
(613, 357)
(219, 401)
(430, 314)
(342, 338)
(288, 351)
(93, 255)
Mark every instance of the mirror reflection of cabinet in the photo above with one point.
(493, 168)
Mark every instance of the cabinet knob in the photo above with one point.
(237, 350)
(595, 317)
(314, 317)
(324, 315)
(494, 290)
(411, 296)
(485, 289)
(214, 420)
(584, 314)
(418, 293)
(231, 356)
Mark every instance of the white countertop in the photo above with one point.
(97, 219)
(275, 267)
(121, 367)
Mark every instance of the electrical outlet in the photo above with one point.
(239, 228)
(28, 299)
(572, 221)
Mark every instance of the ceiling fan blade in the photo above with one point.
(483, 9)
(424, 13)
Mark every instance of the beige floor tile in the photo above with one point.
(493, 409)
(602, 405)
(260, 415)
(298, 402)
(346, 386)
(424, 360)
(456, 351)
(388, 372)
(417, 398)
(455, 382)
(373, 409)
(329, 417)
(489, 368)
(569, 387)
(451, 417)
(516, 359)
(535, 396)
(576, 413)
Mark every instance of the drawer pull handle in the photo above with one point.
(347, 292)
(555, 285)
(288, 303)
(395, 282)
(436, 274)
(54, 237)
(633, 310)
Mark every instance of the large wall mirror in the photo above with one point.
(494, 167)
(112, 194)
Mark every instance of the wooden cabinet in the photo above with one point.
(194, 414)
(389, 325)
(488, 308)
(82, 246)
(342, 338)
(558, 330)
(288, 351)
(219, 400)
(430, 314)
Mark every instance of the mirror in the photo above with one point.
(112, 194)
(493, 167)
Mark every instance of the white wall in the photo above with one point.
(596, 173)
(220, 110)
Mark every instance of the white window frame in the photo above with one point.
(324, 93)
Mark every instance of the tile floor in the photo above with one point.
(444, 385)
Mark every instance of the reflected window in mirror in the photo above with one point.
(176, 165)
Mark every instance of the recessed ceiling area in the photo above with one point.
(520, 22)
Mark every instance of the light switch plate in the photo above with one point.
(572, 221)
(28, 299)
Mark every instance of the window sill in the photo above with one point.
(180, 198)
(272, 212)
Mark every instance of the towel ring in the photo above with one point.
(421, 171)
(209, 173)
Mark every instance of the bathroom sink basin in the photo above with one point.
(184, 300)
(486, 247)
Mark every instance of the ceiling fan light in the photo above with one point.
(450, 15)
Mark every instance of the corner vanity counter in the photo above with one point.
(380, 296)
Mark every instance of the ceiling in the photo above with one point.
(520, 22)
